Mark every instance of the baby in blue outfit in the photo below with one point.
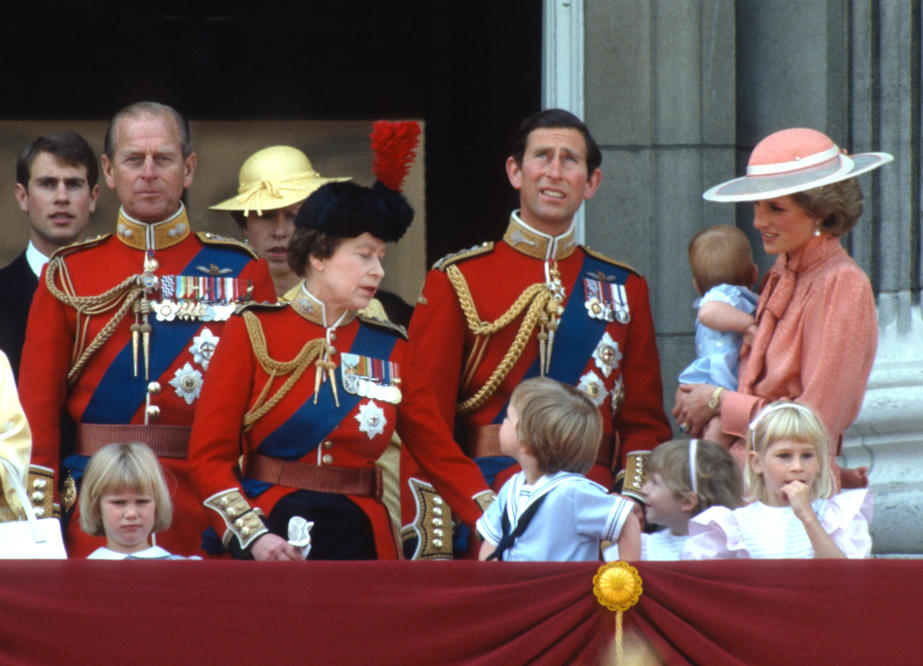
(722, 271)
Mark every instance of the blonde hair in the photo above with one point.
(125, 466)
(718, 480)
(721, 255)
(558, 423)
(796, 422)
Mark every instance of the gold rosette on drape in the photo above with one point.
(617, 586)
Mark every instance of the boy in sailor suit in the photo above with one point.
(550, 510)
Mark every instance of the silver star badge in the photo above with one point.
(371, 419)
(203, 346)
(607, 355)
(188, 383)
(593, 387)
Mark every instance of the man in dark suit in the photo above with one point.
(56, 185)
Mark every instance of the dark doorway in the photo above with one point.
(472, 71)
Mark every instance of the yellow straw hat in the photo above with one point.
(272, 178)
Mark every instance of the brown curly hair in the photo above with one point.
(838, 205)
(306, 243)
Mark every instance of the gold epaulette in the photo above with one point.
(461, 255)
(209, 238)
(609, 260)
(383, 324)
(80, 245)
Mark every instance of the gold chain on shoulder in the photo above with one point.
(540, 308)
(122, 296)
(310, 353)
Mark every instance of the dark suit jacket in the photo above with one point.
(17, 285)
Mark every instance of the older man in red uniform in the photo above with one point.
(122, 327)
(533, 304)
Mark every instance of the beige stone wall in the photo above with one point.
(336, 148)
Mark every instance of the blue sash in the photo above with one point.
(578, 334)
(119, 393)
(311, 424)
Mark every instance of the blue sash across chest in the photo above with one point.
(120, 394)
(578, 334)
(311, 424)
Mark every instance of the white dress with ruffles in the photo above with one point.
(761, 531)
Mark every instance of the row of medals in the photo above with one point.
(367, 387)
(187, 309)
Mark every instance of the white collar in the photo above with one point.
(35, 258)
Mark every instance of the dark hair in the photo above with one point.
(310, 242)
(836, 206)
(552, 118)
(68, 147)
(240, 218)
(150, 108)
(721, 255)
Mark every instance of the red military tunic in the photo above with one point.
(347, 431)
(107, 390)
(612, 358)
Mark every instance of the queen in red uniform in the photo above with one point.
(318, 392)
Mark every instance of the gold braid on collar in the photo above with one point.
(540, 307)
(312, 352)
(120, 297)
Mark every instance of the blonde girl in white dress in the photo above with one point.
(796, 512)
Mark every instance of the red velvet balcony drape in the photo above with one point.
(748, 612)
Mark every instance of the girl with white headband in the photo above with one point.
(816, 325)
(685, 477)
(795, 513)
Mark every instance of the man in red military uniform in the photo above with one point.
(122, 327)
(536, 303)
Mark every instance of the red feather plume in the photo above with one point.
(394, 144)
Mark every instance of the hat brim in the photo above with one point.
(289, 197)
(756, 188)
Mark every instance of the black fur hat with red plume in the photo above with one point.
(348, 210)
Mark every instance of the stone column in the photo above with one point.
(886, 115)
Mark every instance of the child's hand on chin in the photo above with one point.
(798, 495)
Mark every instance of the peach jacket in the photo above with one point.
(817, 331)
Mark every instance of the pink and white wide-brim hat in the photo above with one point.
(794, 160)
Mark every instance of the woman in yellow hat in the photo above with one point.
(274, 182)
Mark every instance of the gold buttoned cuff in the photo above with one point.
(243, 520)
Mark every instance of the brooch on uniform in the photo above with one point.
(593, 387)
(370, 377)
(188, 383)
(607, 355)
(203, 346)
(606, 301)
(371, 419)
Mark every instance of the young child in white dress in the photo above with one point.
(797, 512)
(723, 271)
(124, 497)
(550, 511)
(685, 477)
